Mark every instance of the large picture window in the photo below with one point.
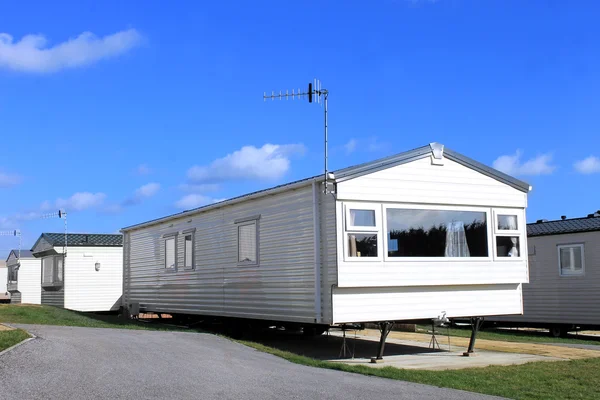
(436, 233)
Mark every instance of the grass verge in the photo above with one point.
(578, 379)
(506, 335)
(48, 315)
(12, 337)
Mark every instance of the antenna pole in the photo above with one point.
(326, 177)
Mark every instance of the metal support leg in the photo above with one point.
(476, 323)
(384, 328)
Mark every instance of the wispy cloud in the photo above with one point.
(589, 165)
(193, 200)
(7, 180)
(143, 192)
(512, 164)
(350, 146)
(268, 162)
(81, 201)
(199, 188)
(32, 54)
(143, 169)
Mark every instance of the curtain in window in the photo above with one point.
(352, 249)
(170, 253)
(47, 269)
(511, 222)
(59, 269)
(247, 243)
(456, 240)
(188, 251)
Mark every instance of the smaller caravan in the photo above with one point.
(79, 271)
(414, 236)
(24, 276)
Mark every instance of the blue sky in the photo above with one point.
(161, 108)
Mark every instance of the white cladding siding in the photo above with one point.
(405, 303)
(422, 182)
(385, 288)
(3, 278)
(281, 287)
(554, 299)
(86, 289)
(30, 280)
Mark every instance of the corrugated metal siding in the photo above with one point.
(87, 289)
(551, 298)
(404, 303)
(421, 182)
(281, 288)
(54, 298)
(15, 297)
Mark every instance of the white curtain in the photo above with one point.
(456, 240)
(511, 221)
(247, 243)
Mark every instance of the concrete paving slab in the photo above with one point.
(430, 359)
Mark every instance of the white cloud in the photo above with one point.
(143, 192)
(589, 165)
(199, 188)
(192, 201)
(269, 162)
(7, 180)
(512, 165)
(81, 201)
(31, 54)
(143, 169)
(350, 146)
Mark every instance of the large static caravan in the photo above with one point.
(89, 278)
(24, 276)
(406, 237)
(563, 293)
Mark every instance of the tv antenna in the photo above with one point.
(320, 95)
(61, 214)
(16, 233)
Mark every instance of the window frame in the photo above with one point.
(192, 233)
(435, 207)
(519, 232)
(581, 245)
(367, 230)
(247, 221)
(13, 271)
(170, 236)
(55, 281)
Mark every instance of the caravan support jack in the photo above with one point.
(384, 328)
(476, 323)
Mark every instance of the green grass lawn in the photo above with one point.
(10, 338)
(512, 335)
(578, 379)
(47, 315)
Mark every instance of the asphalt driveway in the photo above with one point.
(91, 363)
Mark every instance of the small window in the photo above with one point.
(170, 255)
(59, 269)
(507, 222)
(571, 259)
(247, 243)
(362, 218)
(508, 246)
(189, 251)
(362, 245)
(13, 274)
